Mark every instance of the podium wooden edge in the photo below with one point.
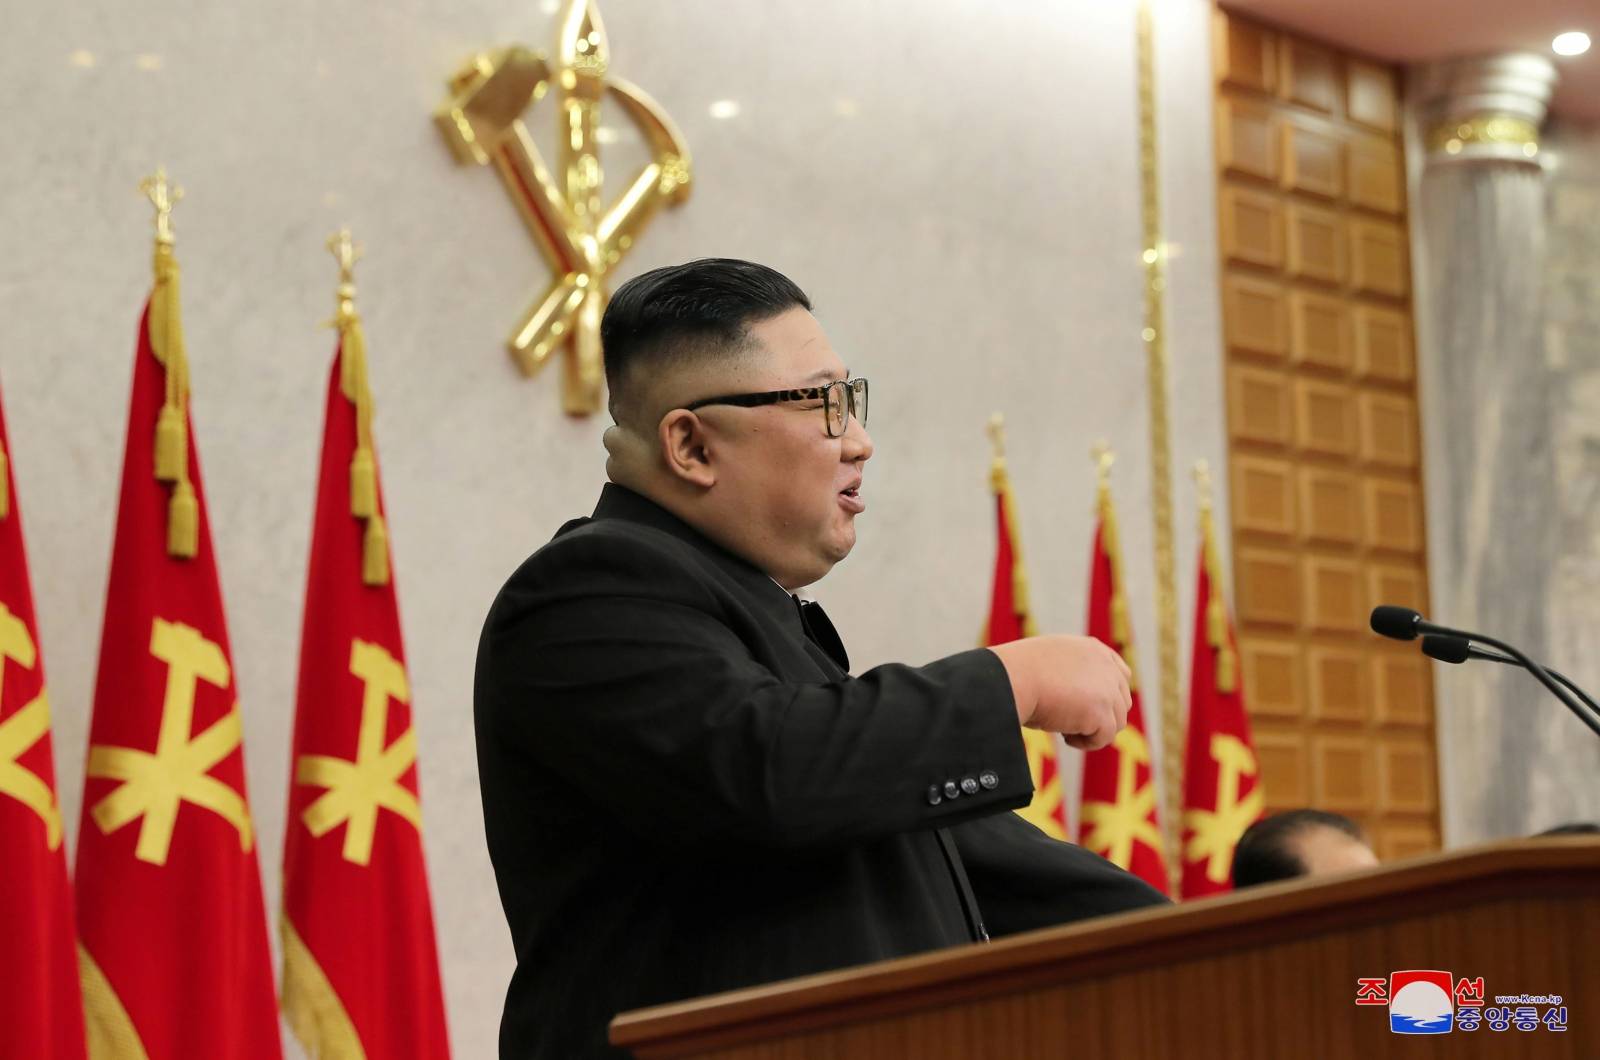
(1106, 945)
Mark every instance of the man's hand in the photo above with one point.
(1072, 685)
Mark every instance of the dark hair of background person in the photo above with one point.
(1265, 853)
(1572, 828)
(701, 309)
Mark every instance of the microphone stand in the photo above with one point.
(1456, 650)
(1539, 672)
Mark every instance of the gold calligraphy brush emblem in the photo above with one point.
(582, 237)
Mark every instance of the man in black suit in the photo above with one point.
(684, 789)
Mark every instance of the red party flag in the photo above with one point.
(1009, 619)
(360, 972)
(1118, 816)
(174, 938)
(1222, 793)
(41, 1008)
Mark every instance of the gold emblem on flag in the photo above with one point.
(582, 238)
(23, 729)
(1217, 832)
(358, 788)
(154, 786)
(1041, 812)
(1111, 828)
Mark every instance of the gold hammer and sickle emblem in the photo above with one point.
(1113, 827)
(154, 785)
(1217, 832)
(23, 729)
(359, 787)
(582, 238)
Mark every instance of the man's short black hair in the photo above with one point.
(1573, 828)
(704, 307)
(1265, 854)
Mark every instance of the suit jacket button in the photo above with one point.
(935, 796)
(952, 790)
(989, 780)
(969, 786)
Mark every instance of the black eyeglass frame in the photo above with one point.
(850, 388)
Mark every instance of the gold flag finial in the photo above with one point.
(997, 446)
(997, 435)
(1104, 456)
(163, 196)
(346, 251)
(1202, 484)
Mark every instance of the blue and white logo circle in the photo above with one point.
(1421, 1007)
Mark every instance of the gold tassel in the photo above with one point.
(1019, 575)
(172, 445)
(363, 484)
(1108, 531)
(183, 522)
(165, 331)
(161, 304)
(353, 352)
(1227, 671)
(375, 552)
(349, 384)
(5, 485)
(1216, 622)
(1119, 620)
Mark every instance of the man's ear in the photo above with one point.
(685, 448)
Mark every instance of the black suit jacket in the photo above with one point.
(684, 793)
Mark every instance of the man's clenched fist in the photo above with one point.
(1072, 685)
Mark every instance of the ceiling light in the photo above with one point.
(725, 108)
(1573, 42)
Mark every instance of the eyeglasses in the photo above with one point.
(841, 399)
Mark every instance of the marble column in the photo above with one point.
(1512, 760)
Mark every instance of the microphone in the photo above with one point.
(1402, 623)
(1396, 623)
(1458, 650)
(1454, 649)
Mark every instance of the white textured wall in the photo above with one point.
(1507, 268)
(954, 182)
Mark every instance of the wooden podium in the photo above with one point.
(1270, 973)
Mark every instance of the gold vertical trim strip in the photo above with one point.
(1155, 344)
(110, 1032)
(310, 1004)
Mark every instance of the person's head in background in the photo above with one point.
(1299, 843)
(1571, 828)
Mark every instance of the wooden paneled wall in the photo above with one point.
(1323, 435)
